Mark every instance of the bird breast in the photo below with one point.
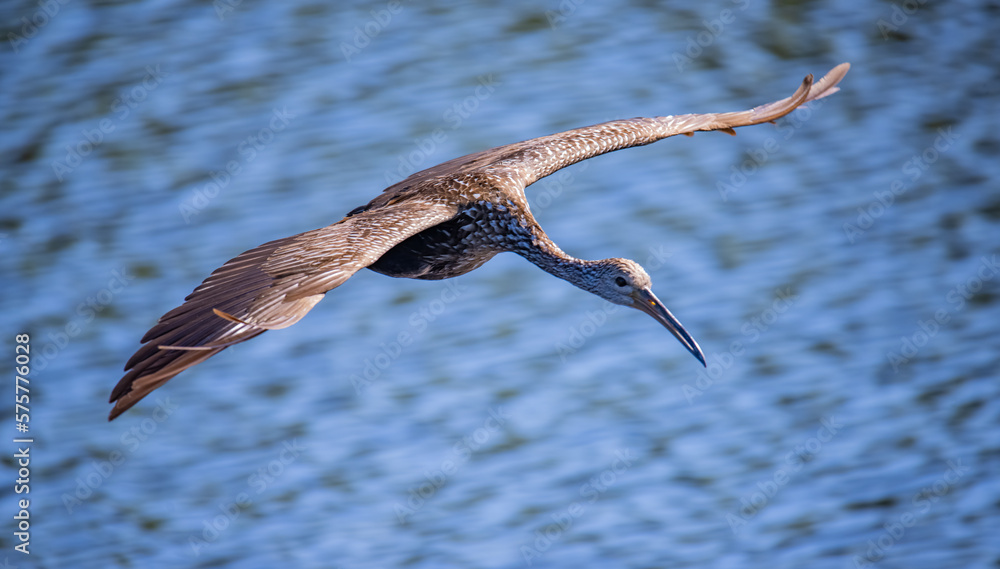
(480, 230)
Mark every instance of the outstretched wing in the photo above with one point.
(270, 287)
(534, 159)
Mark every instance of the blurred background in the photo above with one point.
(838, 268)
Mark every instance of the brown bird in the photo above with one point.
(439, 223)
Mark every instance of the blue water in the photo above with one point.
(850, 410)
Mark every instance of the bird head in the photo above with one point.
(623, 281)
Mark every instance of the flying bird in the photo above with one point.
(436, 224)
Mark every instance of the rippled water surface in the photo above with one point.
(839, 269)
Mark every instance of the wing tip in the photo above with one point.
(827, 85)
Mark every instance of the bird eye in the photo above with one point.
(620, 281)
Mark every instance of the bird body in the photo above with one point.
(487, 222)
(436, 224)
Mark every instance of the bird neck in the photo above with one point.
(551, 259)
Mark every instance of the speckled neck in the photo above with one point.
(551, 259)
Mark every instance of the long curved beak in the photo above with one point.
(647, 302)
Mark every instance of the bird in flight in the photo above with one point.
(436, 224)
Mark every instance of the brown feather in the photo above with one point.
(269, 287)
